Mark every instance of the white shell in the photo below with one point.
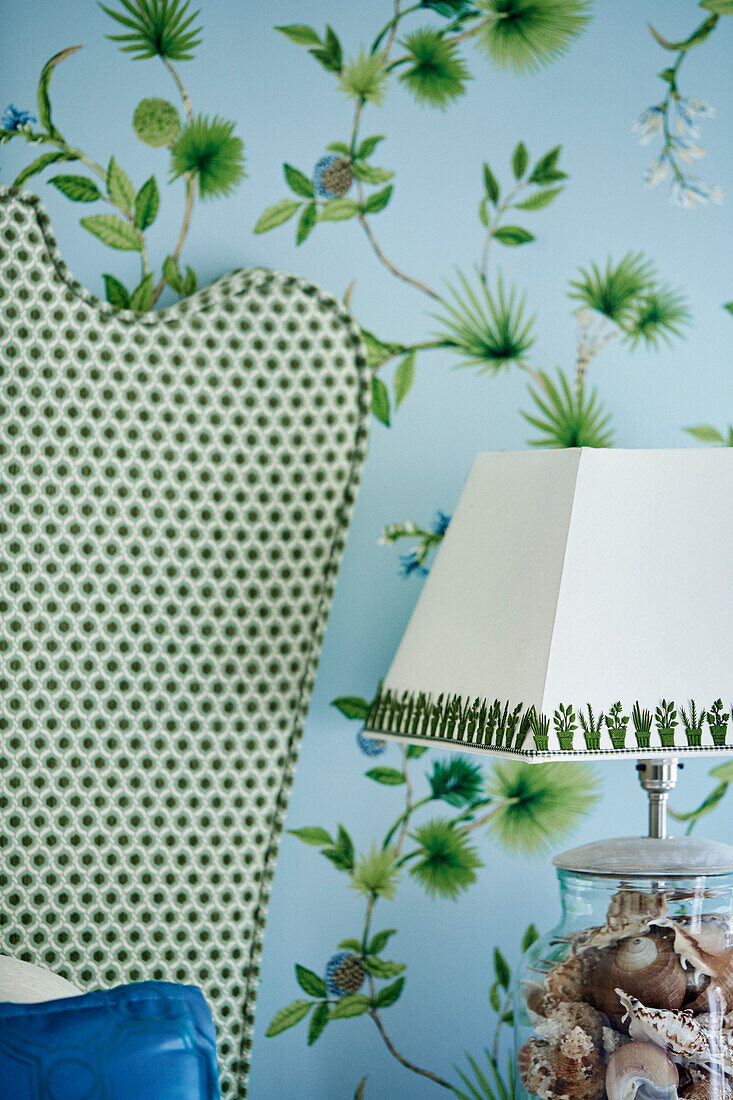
(643, 1071)
(679, 1033)
(688, 948)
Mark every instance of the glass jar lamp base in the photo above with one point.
(631, 994)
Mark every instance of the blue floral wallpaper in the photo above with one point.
(534, 191)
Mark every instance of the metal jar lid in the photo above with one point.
(645, 857)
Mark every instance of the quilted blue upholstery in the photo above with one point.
(150, 1041)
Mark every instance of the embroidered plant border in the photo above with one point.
(502, 726)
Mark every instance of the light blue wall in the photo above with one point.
(287, 109)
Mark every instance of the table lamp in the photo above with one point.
(579, 608)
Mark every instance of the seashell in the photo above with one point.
(696, 983)
(716, 997)
(643, 1071)
(612, 1040)
(571, 1070)
(638, 953)
(533, 1066)
(581, 1074)
(679, 1033)
(690, 1073)
(567, 1015)
(566, 981)
(645, 966)
(708, 1088)
(628, 906)
(686, 947)
(707, 952)
(676, 1031)
(699, 949)
(535, 1000)
(629, 914)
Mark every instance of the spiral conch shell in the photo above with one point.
(570, 1070)
(707, 952)
(645, 966)
(679, 1033)
(629, 914)
(643, 1071)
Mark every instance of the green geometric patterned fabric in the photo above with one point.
(175, 489)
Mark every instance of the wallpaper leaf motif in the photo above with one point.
(483, 320)
(489, 328)
(525, 807)
(205, 152)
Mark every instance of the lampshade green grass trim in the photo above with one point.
(515, 729)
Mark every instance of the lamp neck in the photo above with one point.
(658, 778)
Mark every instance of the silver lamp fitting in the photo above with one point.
(658, 778)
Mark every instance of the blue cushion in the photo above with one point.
(152, 1040)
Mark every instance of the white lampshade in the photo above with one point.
(571, 578)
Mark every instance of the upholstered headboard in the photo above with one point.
(175, 489)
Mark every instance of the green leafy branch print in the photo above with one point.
(489, 330)
(487, 325)
(346, 185)
(676, 120)
(627, 294)
(496, 1086)
(358, 961)
(203, 151)
(525, 807)
(510, 33)
(492, 207)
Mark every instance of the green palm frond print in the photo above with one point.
(524, 35)
(156, 28)
(566, 416)
(206, 150)
(489, 331)
(436, 73)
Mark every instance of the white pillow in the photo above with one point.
(24, 983)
